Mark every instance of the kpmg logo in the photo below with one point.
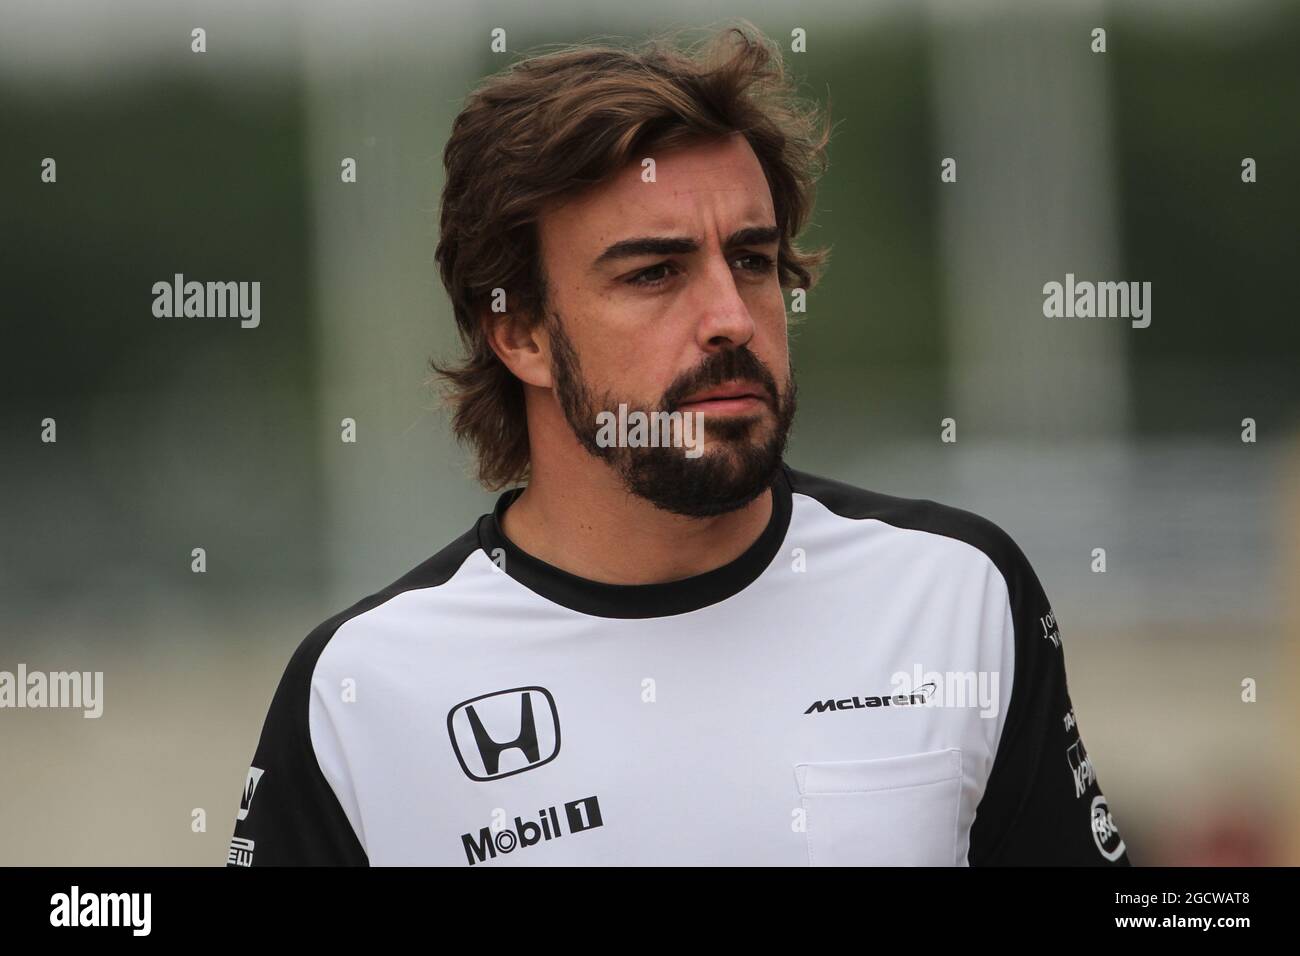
(1080, 768)
(506, 732)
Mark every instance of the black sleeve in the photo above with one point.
(1043, 805)
(288, 812)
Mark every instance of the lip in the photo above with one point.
(725, 399)
(724, 392)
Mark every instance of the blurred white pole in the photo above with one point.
(382, 89)
(1021, 104)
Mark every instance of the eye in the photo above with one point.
(754, 262)
(653, 276)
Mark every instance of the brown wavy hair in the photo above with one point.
(555, 123)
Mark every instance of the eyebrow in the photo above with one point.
(670, 245)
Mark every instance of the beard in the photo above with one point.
(745, 455)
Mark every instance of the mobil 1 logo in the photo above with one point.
(579, 815)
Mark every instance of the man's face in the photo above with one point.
(664, 296)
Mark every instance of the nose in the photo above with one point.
(723, 319)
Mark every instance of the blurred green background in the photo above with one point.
(182, 433)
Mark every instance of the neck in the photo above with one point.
(582, 520)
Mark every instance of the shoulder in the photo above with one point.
(922, 515)
(434, 572)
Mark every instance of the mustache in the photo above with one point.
(725, 366)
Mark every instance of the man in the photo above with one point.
(668, 647)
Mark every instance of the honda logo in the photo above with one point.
(506, 732)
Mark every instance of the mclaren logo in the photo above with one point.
(913, 699)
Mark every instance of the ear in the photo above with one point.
(521, 343)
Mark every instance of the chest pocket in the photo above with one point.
(895, 811)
